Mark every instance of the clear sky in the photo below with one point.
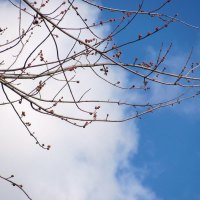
(169, 150)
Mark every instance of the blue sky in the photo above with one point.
(169, 150)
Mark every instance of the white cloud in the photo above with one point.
(83, 163)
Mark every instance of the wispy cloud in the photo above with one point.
(174, 63)
(83, 164)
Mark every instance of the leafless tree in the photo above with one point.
(28, 75)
